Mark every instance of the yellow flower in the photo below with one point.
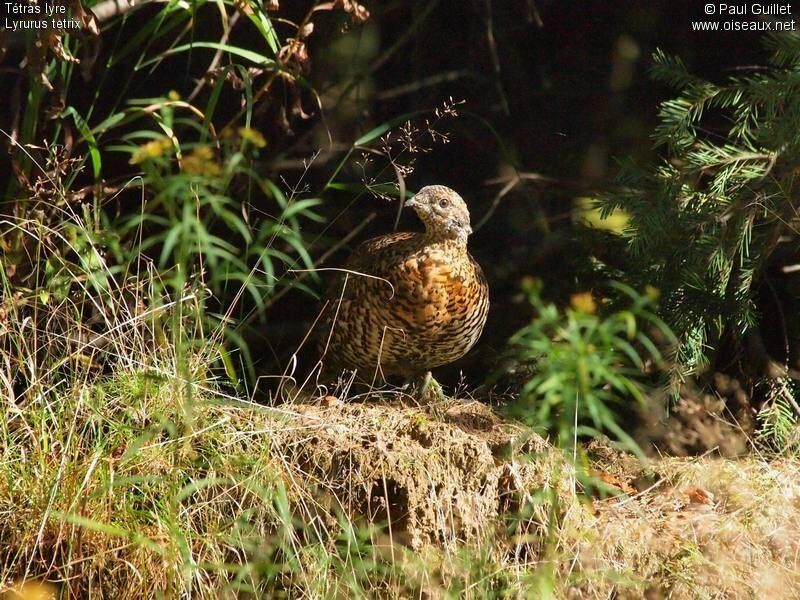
(174, 96)
(152, 149)
(205, 152)
(253, 136)
(201, 161)
(583, 302)
(652, 292)
(530, 284)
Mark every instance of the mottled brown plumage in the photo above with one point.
(409, 302)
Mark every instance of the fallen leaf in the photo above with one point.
(698, 495)
(331, 401)
(616, 482)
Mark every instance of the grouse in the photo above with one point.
(408, 302)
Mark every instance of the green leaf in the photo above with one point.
(88, 136)
(254, 57)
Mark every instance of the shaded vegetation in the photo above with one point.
(180, 177)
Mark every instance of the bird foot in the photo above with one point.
(430, 390)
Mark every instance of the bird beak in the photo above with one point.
(468, 229)
(412, 202)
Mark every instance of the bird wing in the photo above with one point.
(374, 266)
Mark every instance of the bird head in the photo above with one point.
(443, 212)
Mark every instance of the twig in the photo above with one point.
(430, 81)
(509, 184)
(533, 14)
(495, 58)
(109, 9)
(217, 55)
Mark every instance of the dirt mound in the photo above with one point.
(456, 476)
(436, 474)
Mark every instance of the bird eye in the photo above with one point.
(444, 202)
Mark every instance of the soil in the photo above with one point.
(437, 474)
(455, 472)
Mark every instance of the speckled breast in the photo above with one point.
(427, 309)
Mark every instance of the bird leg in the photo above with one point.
(429, 389)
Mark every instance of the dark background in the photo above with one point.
(556, 92)
(567, 100)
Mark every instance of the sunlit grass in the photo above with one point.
(146, 478)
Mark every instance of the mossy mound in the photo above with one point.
(439, 474)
